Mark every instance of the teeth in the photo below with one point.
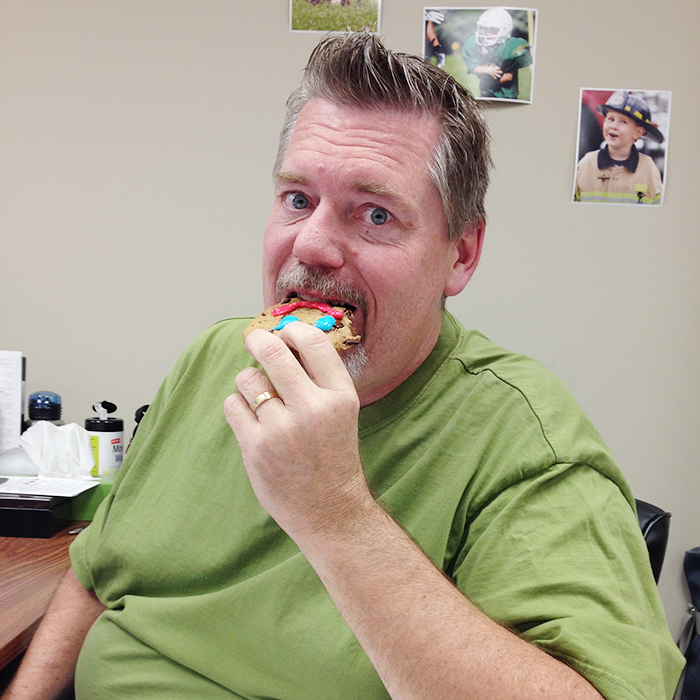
(330, 302)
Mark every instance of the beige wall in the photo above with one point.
(136, 139)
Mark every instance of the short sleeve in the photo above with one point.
(560, 559)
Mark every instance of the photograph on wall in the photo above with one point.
(622, 146)
(489, 50)
(334, 15)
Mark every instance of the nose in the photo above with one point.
(318, 242)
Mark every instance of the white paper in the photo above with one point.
(10, 398)
(44, 486)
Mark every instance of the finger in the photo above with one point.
(255, 388)
(285, 372)
(251, 382)
(320, 359)
(238, 414)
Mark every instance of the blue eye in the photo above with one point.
(299, 200)
(379, 216)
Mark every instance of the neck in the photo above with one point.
(620, 153)
(370, 389)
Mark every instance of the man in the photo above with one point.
(359, 535)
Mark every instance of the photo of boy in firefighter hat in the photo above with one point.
(618, 172)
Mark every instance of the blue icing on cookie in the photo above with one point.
(325, 323)
(286, 320)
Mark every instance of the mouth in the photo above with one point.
(333, 306)
(316, 287)
(316, 299)
(342, 310)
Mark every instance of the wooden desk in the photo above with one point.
(30, 570)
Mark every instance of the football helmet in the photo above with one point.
(493, 27)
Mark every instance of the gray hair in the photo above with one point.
(355, 69)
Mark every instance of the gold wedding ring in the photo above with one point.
(261, 398)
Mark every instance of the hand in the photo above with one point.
(506, 78)
(491, 69)
(434, 17)
(300, 450)
(442, 59)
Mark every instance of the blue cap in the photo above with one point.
(44, 405)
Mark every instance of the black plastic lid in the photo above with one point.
(45, 412)
(108, 425)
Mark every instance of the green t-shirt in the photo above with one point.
(482, 455)
(510, 56)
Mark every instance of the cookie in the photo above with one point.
(336, 321)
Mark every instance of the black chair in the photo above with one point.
(654, 523)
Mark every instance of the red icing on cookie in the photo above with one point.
(324, 308)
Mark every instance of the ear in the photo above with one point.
(465, 254)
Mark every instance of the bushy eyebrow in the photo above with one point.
(379, 190)
(397, 201)
(284, 176)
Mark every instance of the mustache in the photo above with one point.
(320, 283)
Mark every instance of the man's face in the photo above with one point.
(357, 220)
(620, 132)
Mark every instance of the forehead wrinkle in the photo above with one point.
(369, 144)
(366, 137)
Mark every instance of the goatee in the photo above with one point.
(325, 286)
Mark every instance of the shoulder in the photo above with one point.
(516, 46)
(230, 329)
(647, 162)
(512, 373)
(590, 157)
(219, 345)
(588, 165)
(470, 45)
(531, 406)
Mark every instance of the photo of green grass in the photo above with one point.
(334, 15)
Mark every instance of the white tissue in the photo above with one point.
(16, 462)
(62, 451)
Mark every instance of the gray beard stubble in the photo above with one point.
(323, 285)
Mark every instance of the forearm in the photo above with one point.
(49, 664)
(424, 638)
(488, 69)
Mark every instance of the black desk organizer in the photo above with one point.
(33, 516)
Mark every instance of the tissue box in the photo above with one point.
(33, 516)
